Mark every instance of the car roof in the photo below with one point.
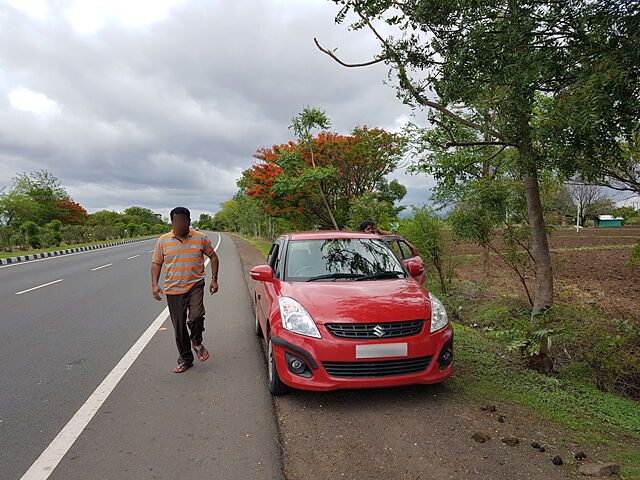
(327, 234)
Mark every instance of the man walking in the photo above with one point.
(182, 253)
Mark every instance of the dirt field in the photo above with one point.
(593, 275)
(562, 239)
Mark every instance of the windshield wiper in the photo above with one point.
(334, 276)
(387, 274)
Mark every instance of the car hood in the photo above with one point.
(361, 302)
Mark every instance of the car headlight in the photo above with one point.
(439, 317)
(296, 319)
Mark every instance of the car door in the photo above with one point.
(410, 254)
(407, 253)
(267, 294)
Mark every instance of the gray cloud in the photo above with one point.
(170, 111)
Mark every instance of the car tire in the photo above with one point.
(258, 328)
(276, 386)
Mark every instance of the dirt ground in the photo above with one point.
(418, 432)
(585, 277)
(563, 239)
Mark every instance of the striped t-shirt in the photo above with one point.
(183, 260)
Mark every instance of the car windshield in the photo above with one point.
(344, 259)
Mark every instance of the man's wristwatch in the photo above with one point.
(215, 278)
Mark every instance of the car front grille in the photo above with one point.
(378, 368)
(375, 331)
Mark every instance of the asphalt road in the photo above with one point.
(61, 340)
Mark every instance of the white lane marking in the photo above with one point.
(26, 262)
(150, 251)
(39, 286)
(58, 448)
(135, 256)
(103, 266)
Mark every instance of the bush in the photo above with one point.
(6, 235)
(54, 225)
(32, 233)
(72, 234)
(159, 229)
(424, 229)
(50, 235)
(634, 259)
(50, 238)
(132, 229)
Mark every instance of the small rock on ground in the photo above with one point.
(599, 469)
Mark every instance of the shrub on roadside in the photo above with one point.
(32, 233)
(587, 345)
(424, 229)
(634, 258)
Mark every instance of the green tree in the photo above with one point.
(203, 222)
(104, 218)
(16, 208)
(557, 203)
(303, 125)
(226, 219)
(625, 174)
(627, 213)
(424, 229)
(590, 200)
(391, 193)
(287, 185)
(370, 206)
(45, 191)
(141, 215)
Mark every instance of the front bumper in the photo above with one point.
(315, 351)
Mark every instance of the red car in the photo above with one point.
(341, 310)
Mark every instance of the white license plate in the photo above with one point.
(382, 350)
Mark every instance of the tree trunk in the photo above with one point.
(543, 295)
(322, 195)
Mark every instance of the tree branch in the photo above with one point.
(406, 83)
(345, 64)
(473, 144)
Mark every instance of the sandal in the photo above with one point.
(202, 354)
(182, 367)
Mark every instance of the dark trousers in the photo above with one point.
(187, 310)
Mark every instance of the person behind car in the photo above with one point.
(370, 227)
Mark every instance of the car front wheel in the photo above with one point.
(276, 386)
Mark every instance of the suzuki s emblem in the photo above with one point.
(378, 331)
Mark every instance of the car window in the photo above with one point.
(346, 256)
(277, 260)
(273, 252)
(395, 246)
(407, 251)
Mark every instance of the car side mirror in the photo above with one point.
(415, 270)
(262, 273)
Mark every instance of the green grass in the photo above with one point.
(595, 417)
(65, 247)
(261, 245)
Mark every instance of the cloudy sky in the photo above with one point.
(161, 103)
